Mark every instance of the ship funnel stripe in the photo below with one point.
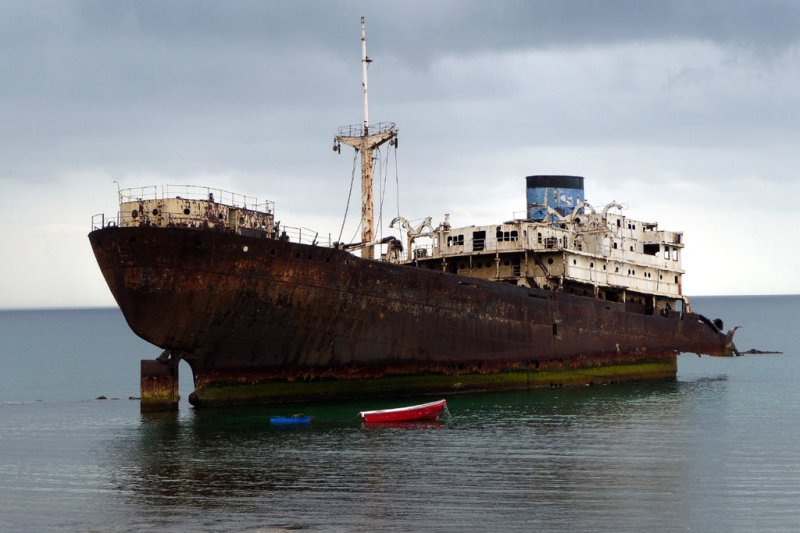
(560, 182)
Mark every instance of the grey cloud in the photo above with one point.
(191, 87)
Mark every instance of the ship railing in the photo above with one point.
(357, 130)
(195, 192)
(304, 236)
(101, 220)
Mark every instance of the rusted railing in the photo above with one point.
(292, 234)
(195, 192)
(357, 130)
(304, 236)
(101, 220)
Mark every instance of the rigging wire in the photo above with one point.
(380, 193)
(349, 194)
(358, 228)
(385, 167)
(397, 189)
(397, 180)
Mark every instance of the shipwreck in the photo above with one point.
(568, 294)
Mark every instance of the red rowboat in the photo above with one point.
(425, 411)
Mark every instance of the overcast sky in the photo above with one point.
(686, 111)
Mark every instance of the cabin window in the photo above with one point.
(506, 236)
(674, 254)
(591, 265)
(574, 262)
(666, 253)
(565, 241)
(651, 249)
(478, 240)
(619, 223)
(539, 238)
(631, 248)
(616, 270)
(455, 240)
(676, 279)
(615, 245)
(514, 235)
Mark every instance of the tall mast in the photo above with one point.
(365, 139)
(364, 64)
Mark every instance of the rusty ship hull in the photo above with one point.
(265, 320)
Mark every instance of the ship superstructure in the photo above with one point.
(564, 244)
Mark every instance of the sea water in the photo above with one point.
(717, 449)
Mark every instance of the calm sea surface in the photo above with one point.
(719, 449)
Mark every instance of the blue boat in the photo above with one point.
(293, 420)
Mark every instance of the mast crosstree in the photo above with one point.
(365, 138)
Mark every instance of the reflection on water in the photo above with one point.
(528, 457)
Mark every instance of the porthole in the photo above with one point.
(549, 260)
(245, 248)
(220, 216)
(134, 213)
(155, 212)
(186, 211)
